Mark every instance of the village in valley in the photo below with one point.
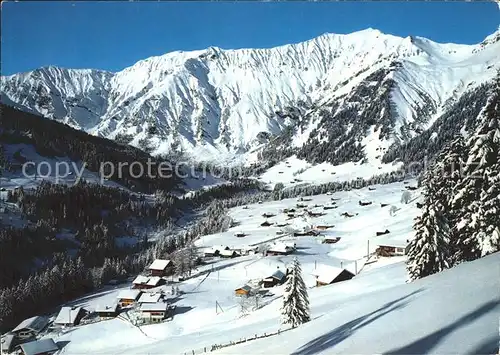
(237, 282)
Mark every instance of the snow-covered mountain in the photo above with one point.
(362, 91)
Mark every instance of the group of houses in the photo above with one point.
(224, 251)
(23, 338)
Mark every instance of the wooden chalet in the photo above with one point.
(301, 205)
(347, 215)
(266, 224)
(330, 240)
(371, 188)
(327, 275)
(31, 327)
(268, 215)
(140, 282)
(107, 312)
(384, 205)
(280, 249)
(161, 267)
(128, 297)
(323, 227)
(277, 278)
(281, 225)
(151, 297)
(215, 250)
(304, 199)
(329, 207)
(367, 203)
(289, 210)
(44, 346)
(245, 290)
(240, 235)
(154, 312)
(228, 254)
(382, 233)
(70, 316)
(310, 232)
(314, 214)
(388, 248)
(411, 188)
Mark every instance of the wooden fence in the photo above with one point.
(232, 343)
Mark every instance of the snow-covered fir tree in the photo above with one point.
(477, 196)
(295, 308)
(429, 251)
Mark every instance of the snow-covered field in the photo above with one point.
(293, 172)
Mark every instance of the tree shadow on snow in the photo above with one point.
(429, 342)
(62, 344)
(182, 309)
(344, 331)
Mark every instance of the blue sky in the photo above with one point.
(114, 35)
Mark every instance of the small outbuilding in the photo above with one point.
(266, 224)
(45, 346)
(330, 240)
(161, 267)
(309, 232)
(323, 227)
(243, 291)
(70, 316)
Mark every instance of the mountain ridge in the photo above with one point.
(216, 103)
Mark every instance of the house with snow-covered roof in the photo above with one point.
(161, 267)
(30, 327)
(69, 316)
(327, 275)
(154, 312)
(281, 249)
(45, 346)
(277, 278)
(150, 297)
(107, 311)
(128, 297)
(391, 247)
(215, 250)
(146, 282)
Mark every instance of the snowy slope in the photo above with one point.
(414, 318)
(216, 103)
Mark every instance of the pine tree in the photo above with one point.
(477, 196)
(295, 309)
(428, 252)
